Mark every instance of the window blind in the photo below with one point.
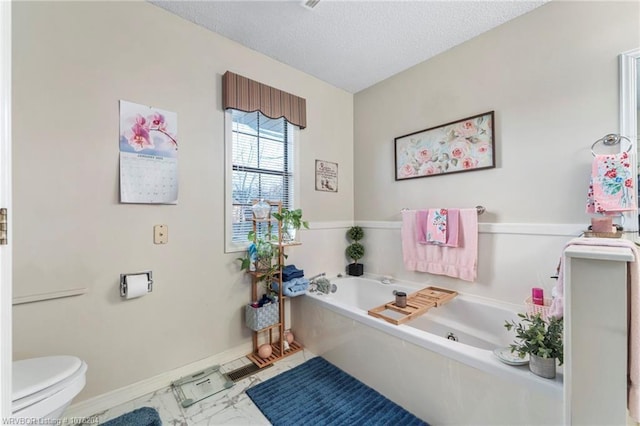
(261, 157)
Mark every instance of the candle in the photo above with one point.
(601, 224)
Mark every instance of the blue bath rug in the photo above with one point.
(319, 393)
(145, 416)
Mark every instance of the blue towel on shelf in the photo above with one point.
(290, 272)
(292, 288)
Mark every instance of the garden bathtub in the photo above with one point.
(419, 364)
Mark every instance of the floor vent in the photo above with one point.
(242, 372)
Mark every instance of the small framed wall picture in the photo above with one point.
(326, 176)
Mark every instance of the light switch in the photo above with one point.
(160, 234)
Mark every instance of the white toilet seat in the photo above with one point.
(56, 378)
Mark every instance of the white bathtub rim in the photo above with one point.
(419, 286)
(481, 359)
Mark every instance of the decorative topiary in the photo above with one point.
(355, 251)
(355, 233)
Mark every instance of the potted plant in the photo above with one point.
(541, 339)
(264, 255)
(291, 221)
(259, 255)
(260, 259)
(355, 251)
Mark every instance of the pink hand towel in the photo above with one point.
(453, 226)
(557, 309)
(458, 262)
(421, 226)
(610, 189)
(453, 220)
(437, 226)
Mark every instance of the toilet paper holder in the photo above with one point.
(123, 282)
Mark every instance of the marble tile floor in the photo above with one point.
(228, 407)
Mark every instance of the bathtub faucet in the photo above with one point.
(321, 274)
(323, 285)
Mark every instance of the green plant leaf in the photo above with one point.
(293, 217)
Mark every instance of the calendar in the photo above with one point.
(148, 179)
(148, 155)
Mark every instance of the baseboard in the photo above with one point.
(116, 397)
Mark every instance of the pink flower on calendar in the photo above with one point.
(140, 132)
(157, 122)
(148, 130)
(140, 139)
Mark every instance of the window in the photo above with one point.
(259, 165)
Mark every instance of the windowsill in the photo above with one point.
(235, 248)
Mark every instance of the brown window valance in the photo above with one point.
(248, 95)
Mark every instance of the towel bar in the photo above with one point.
(479, 209)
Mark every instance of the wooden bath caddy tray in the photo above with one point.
(417, 304)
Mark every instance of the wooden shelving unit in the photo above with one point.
(274, 332)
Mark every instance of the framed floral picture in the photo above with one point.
(459, 146)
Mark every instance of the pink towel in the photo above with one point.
(453, 226)
(421, 226)
(557, 309)
(453, 220)
(610, 189)
(458, 262)
(437, 226)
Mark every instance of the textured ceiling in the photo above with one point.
(349, 44)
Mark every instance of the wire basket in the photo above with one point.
(543, 310)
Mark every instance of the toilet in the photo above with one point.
(44, 387)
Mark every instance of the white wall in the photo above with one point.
(551, 76)
(72, 62)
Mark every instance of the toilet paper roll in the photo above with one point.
(137, 285)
